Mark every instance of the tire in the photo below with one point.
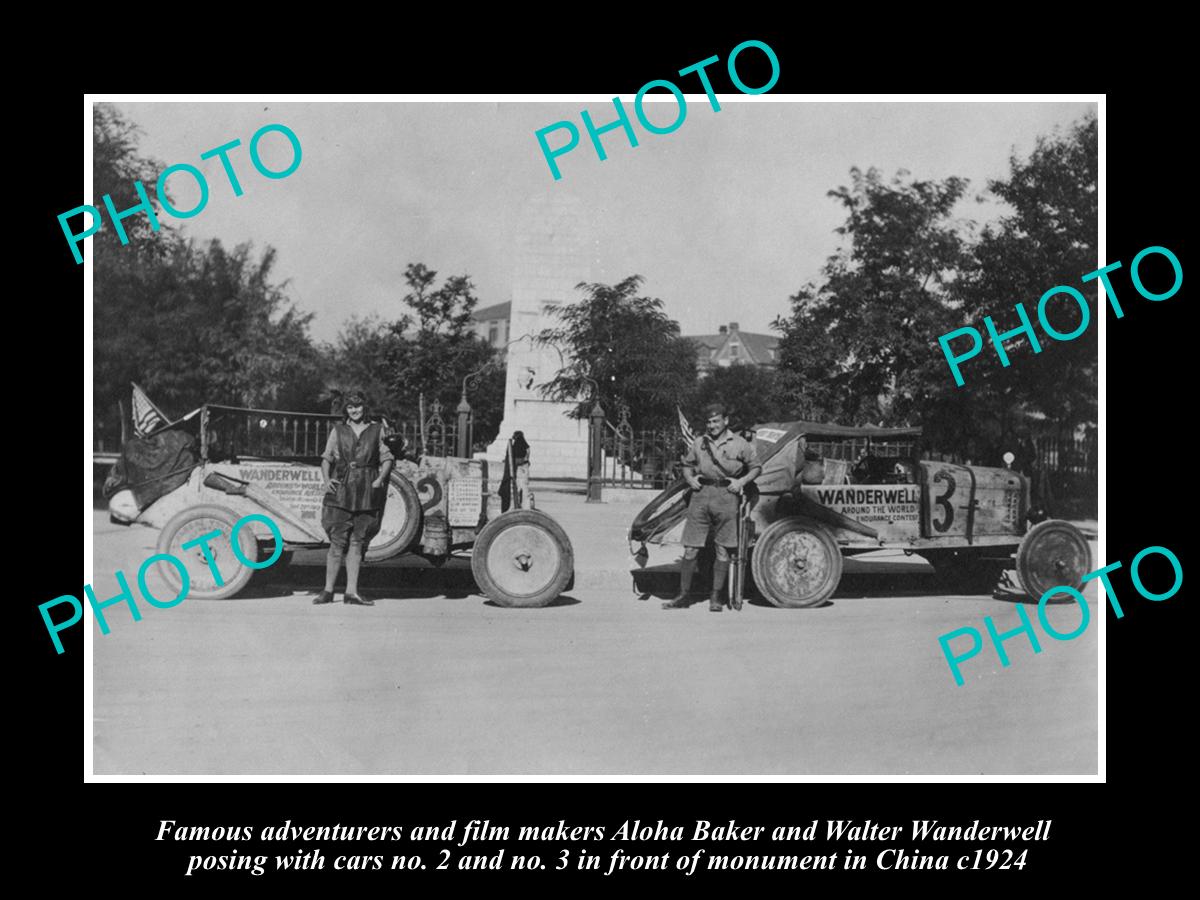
(965, 572)
(401, 520)
(522, 558)
(190, 524)
(796, 563)
(1052, 554)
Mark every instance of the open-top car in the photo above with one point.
(220, 463)
(829, 491)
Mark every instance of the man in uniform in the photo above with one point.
(718, 465)
(355, 466)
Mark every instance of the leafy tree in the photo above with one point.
(395, 363)
(116, 166)
(856, 347)
(749, 392)
(433, 359)
(1049, 239)
(189, 322)
(861, 344)
(359, 360)
(626, 347)
(209, 325)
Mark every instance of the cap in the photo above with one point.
(715, 409)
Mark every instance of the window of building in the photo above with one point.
(493, 333)
(733, 350)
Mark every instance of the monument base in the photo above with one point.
(558, 446)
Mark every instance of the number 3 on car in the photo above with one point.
(829, 491)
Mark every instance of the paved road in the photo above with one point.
(436, 681)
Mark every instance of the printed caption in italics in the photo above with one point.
(605, 850)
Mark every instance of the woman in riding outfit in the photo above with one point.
(355, 465)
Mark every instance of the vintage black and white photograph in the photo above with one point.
(439, 438)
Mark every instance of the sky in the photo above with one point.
(725, 218)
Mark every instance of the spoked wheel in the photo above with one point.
(796, 563)
(522, 558)
(193, 523)
(1053, 554)
(401, 520)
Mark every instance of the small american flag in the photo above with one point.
(146, 416)
(685, 427)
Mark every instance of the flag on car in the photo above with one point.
(685, 427)
(146, 416)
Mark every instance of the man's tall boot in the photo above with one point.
(687, 569)
(720, 570)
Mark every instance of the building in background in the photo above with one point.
(731, 347)
(491, 324)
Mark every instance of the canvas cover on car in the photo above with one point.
(152, 466)
(778, 448)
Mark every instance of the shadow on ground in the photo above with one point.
(663, 582)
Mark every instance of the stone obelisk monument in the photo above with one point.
(552, 255)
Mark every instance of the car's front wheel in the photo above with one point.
(796, 563)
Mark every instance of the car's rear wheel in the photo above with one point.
(400, 522)
(796, 563)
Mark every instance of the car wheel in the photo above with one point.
(192, 523)
(1052, 554)
(522, 558)
(400, 523)
(796, 563)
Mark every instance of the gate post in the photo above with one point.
(463, 436)
(595, 452)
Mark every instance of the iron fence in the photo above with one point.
(1065, 473)
(232, 433)
(641, 459)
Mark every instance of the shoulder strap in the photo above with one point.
(707, 444)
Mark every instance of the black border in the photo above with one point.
(1149, 408)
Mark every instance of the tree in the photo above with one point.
(1049, 239)
(856, 347)
(359, 359)
(116, 166)
(748, 392)
(861, 344)
(625, 347)
(205, 325)
(434, 359)
(191, 323)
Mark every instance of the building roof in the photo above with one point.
(496, 311)
(757, 347)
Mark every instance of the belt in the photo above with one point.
(356, 465)
(715, 482)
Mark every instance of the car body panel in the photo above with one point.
(926, 504)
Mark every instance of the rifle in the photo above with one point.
(737, 579)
